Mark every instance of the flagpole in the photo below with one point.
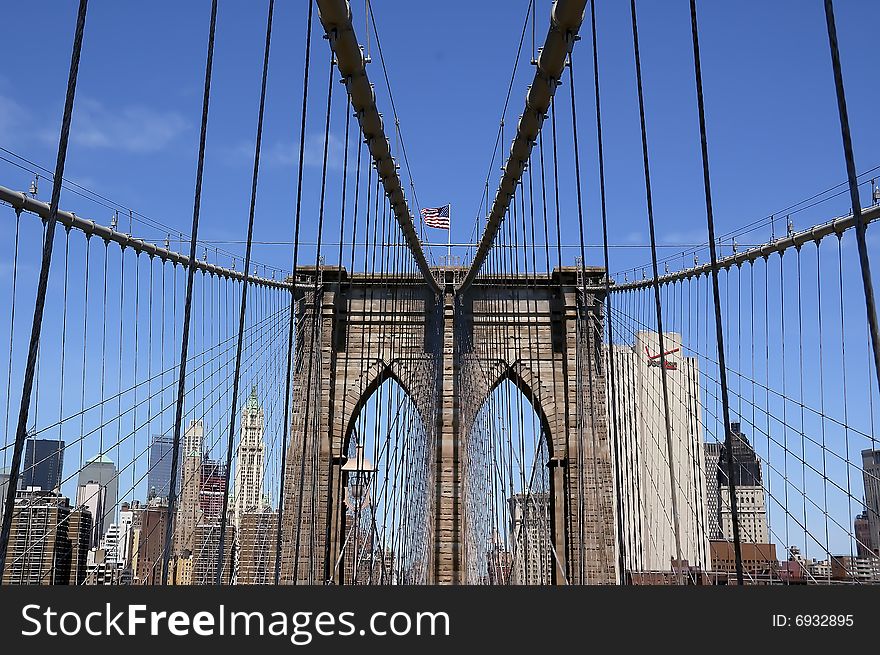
(449, 239)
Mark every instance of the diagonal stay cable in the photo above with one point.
(236, 380)
(43, 283)
(181, 385)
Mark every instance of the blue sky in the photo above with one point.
(772, 122)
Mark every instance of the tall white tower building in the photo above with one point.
(249, 463)
(643, 454)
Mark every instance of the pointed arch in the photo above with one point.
(375, 376)
(535, 389)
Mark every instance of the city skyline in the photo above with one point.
(643, 349)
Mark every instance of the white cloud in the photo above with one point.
(634, 237)
(690, 237)
(135, 128)
(12, 118)
(284, 154)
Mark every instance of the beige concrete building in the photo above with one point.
(189, 512)
(148, 542)
(646, 485)
(751, 513)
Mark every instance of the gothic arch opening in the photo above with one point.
(384, 489)
(508, 499)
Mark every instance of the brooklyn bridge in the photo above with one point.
(516, 409)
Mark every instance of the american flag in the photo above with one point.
(436, 217)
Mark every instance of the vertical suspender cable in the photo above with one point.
(317, 299)
(328, 572)
(286, 427)
(861, 225)
(716, 294)
(589, 358)
(191, 270)
(611, 369)
(42, 285)
(236, 379)
(656, 285)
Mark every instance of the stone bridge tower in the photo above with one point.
(447, 353)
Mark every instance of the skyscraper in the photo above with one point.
(48, 542)
(249, 463)
(159, 475)
(257, 533)
(110, 543)
(642, 459)
(212, 490)
(204, 558)
(92, 495)
(102, 471)
(189, 512)
(862, 532)
(871, 477)
(148, 543)
(530, 535)
(43, 462)
(750, 500)
(126, 521)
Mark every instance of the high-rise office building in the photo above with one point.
(751, 504)
(126, 525)
(148, 542)
(871, 478)
(189, 512)
(249, 462)
(530, 535)
(101, 471)
(48, 542)
(204, 557)
(110, 543)
(642, 459)
(92, 496)
(159, 475)
(105, 571)
(862, 532)
(257, 532)
(213, 488)
(43, 463)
